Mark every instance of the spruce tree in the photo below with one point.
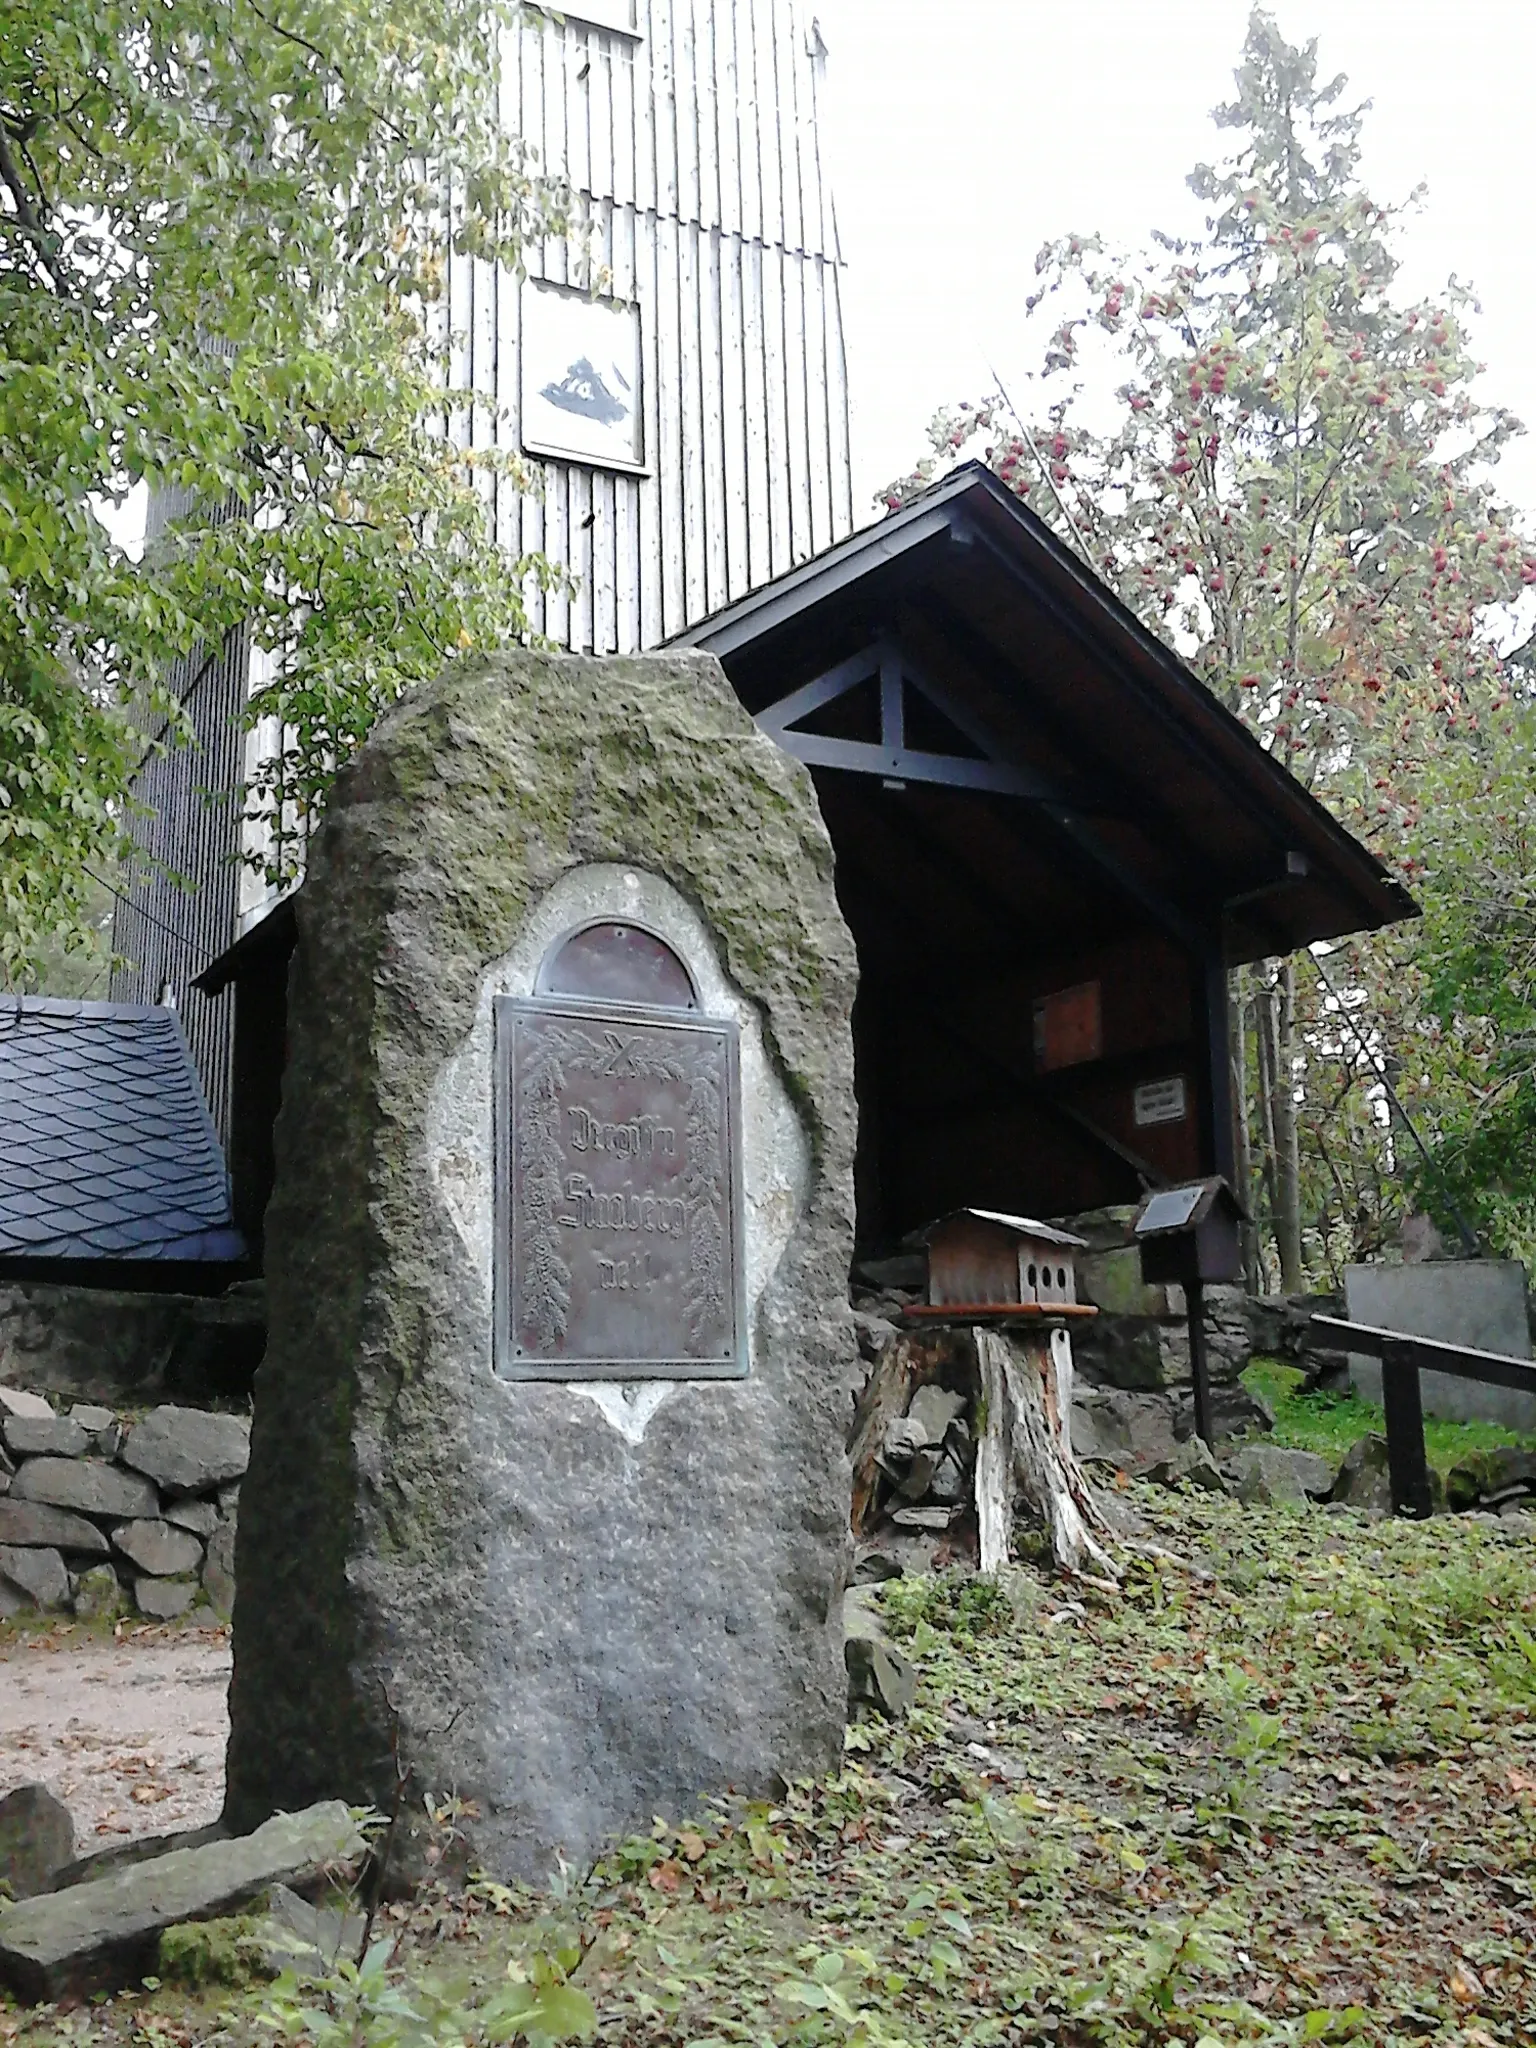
(1294, 486)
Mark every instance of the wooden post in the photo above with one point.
(1199, 1371)
(1406, 1461)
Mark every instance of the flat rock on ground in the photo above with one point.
(97, 1936)
(164, 1599)
(37, 1838)
(1191, 1464)
(1269, 1473)
(129, 1735)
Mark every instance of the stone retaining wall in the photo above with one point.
(102, 1514)
(114, 1348)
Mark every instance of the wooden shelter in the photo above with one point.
(1052, 841)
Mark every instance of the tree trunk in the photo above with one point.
(1026, 1449)
(1287, 1139)
(1238, 1038)
(1264, 1048)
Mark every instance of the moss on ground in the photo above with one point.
(1329, 1423)
(1279, 1788)
(201, 1953)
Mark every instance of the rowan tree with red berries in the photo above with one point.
(1293, 483)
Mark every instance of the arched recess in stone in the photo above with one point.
(613, 962)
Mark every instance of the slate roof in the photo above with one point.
(107, 1150)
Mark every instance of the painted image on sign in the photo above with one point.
(581, 371)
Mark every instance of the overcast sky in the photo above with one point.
(965, 132)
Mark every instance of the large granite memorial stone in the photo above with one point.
(547, 1491)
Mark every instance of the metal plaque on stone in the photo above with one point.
(619, 1234)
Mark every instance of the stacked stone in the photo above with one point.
(926, 1460)
(1497, 1482)
(94, 1510)
(1133, 1394)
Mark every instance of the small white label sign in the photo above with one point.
(1161, 1102)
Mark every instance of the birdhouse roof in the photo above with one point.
(1018, 1226)
(1168, 1211)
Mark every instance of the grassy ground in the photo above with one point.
(1281, 1791)
(1330, 1423)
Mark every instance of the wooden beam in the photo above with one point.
(1003, 774)
(1429, 1354)
(907, 764)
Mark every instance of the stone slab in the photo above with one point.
(200, 1516)
(188, 1450)
(164, 1599)
(46, 1436)
(138, 1849)
(35, 1524)
(1477, 1302)
(157, 1547)
(607, 1598)
(1191, 1464)
(104, 1934)
(86, 1485)
(38, 1573)
(37, 1840)
(1268, 1473)
(18, 1401)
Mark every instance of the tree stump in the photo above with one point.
(1025, 1449)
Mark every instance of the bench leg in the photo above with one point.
(1406, 1460)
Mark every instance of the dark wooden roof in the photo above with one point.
(1168, 790)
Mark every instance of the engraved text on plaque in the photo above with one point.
(618, 1222)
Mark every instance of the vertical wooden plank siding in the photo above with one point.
(694, 148)
(693, 152)
(165, 933)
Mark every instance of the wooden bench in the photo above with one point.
(1402, 1360)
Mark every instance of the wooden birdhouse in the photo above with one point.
(1189, 1235)
(980, 1259)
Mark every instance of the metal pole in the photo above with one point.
(1194, 1294)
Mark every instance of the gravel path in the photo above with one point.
(129, 1732)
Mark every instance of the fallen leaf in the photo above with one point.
(1465, 1988)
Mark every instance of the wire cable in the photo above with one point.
(1471, 1242)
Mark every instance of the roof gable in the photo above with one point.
(1146, 758)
